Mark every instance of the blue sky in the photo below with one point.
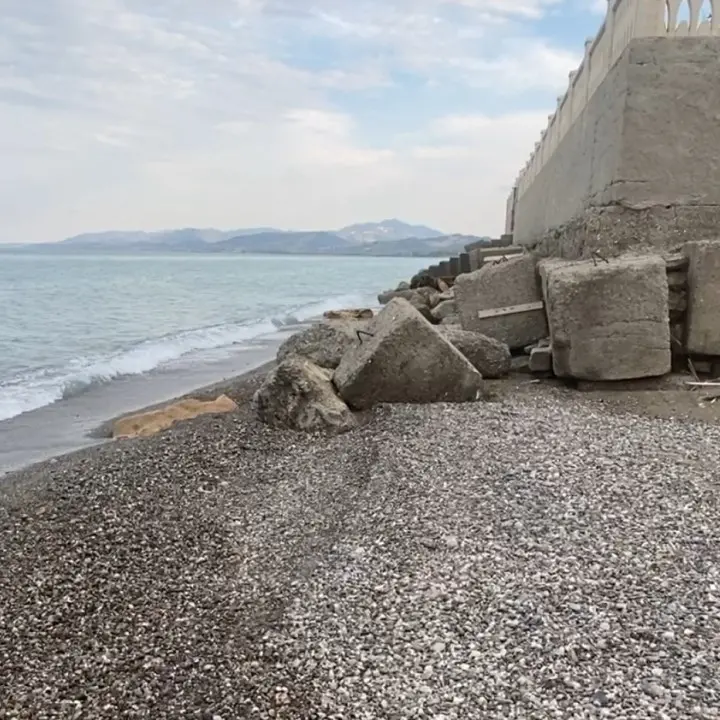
(127, 114)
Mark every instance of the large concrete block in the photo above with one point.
(454, 266)
(703, 315)
(464, 263)
(608, 321)
(507, 284)
(405, 360)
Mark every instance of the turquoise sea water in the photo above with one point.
(84, 325)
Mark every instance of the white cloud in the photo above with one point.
(125, 114)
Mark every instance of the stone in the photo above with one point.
(385, 297)
(676, 262)
(454, 266)
(608, 320)
(703, 317)
(520, 364)
(423, 308)
(464, 262)
(490, 357)
(351, 314)
(424, 280)
(677, 302)
(450, 320)
(299, 395)
(443, 310)
(430, 295)
(151, 422)
(541, 360)
(499, 285)
(677, 280)
(404, 285)
(405, 361)
(324, 343)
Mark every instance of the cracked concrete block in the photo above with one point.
(608, 321)
(511, 283)
(703, 313)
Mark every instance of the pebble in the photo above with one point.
(222, 570)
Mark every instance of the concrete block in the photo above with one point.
(405, 360)
(541, 359)
(608, 321)
(454, 266)
(703, 318)
(503, 285)
(444, 268)
(464, 259)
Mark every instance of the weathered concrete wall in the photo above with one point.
(642, 154)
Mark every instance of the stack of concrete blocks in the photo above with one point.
(608, 320)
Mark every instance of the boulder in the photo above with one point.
(404, 285)
(149, 423)
(385, 297)
(703, 318)
(490, 357)
(299, 395)
(450, 320)
(608, 320)
(507, 287)
(324, 343)
(351, 314)
(443, 310)
(405, 361)
(423, 308)
(424, 279)
(429, 295)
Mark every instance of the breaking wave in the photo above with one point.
(40, 387)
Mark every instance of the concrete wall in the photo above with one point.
(648, 139)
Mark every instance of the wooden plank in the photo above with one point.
(511, 309)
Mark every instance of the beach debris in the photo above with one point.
(149, 423)
(608, 321)
(349, 314)
(490, 357)
(299, 395)
(504, 301)
(324, 343)
(406, 361)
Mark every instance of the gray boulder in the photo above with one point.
(490, 357)
(451, 320)
(405, 361)
(299, 395)
(324, 343)
(444, 309)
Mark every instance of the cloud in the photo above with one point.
(128, 114)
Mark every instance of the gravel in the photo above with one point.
(535, 558)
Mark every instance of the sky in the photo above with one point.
(297, 114)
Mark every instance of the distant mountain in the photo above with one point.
(183, 238)
(386, 238)
(386, 230)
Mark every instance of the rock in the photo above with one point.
(703, 318)
(499, 285)
(299, 395)
(442, 286)
(443, 310)
(490, 357)
(351, 314)
(324, 343)
(403, 286)
(149, 423)
(429, 295)
(677, 280)
(406, 361)
(424, 279)
(541, 360)
(450, 320)
(423, 308)
(608, 321)
(520, 364)
(385, 297)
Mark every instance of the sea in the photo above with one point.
(87, 337)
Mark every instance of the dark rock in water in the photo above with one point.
(299, 395)
(426, 280)
(405, 361)
(324, 343)
(490, 357)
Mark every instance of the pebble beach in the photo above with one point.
(540, 556)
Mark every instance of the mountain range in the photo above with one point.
(388, 238)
